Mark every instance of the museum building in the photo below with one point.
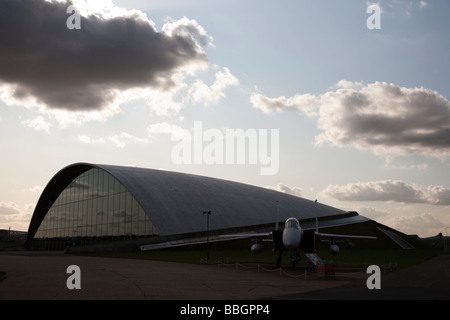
(95, 207)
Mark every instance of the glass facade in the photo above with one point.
(94, 208)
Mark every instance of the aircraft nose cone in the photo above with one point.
(291, 238)
(289, 244)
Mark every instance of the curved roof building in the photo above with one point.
(106, 206)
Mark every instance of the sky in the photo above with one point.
(345, 102)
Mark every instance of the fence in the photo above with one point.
(350, 272)
(259, 267)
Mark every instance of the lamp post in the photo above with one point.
(208, 213)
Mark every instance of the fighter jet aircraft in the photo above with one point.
(293, 238)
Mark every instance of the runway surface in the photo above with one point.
(43, 276)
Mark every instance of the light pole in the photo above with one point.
(208, 213)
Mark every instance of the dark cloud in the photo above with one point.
(83, 70)
(384, 118)
(387, 119)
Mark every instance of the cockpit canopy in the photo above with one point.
(291, 223)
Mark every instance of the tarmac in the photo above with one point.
(44, 276)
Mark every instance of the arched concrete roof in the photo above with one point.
(175, 202)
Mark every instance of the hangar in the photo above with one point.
(97, 207)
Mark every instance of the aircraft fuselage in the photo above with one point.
(292, 234)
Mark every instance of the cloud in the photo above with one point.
(423, 4)
(188, 29)
(43, 63)
(15, 216)
(306, 103)
(417, 223)
(387, 119)
(87, 139)
(38, 124)
(176, 132)
(295, 191)
(35, 189)
(123, 139)
(390, 190)
(371, 213)
(419, 166)
(8, 209)
(413, 6)
(346, 84)
(383, 118)
(202, 93)
(120, 140)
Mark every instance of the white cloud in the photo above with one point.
(120, 140)
(176, 132)
(371, 212)
(207, 95)
(412, 6)
(84, 139)
(123, 139)
(295, 191)
(36, 189)
(163, 103)
(423, 4)
(87, 139)
(15, 216)
(418, 223)
(390, 191)
(306, 103)
(38, 124)
(7, 209)
(188, 28)
(419, 166)
(104, 9)
(346, 84)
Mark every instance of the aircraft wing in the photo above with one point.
(345, 236)
(245, 235)
(201, 240)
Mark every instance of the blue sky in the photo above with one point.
(363, 115)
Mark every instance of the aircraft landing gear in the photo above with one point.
(279, 259)
(295, 258)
